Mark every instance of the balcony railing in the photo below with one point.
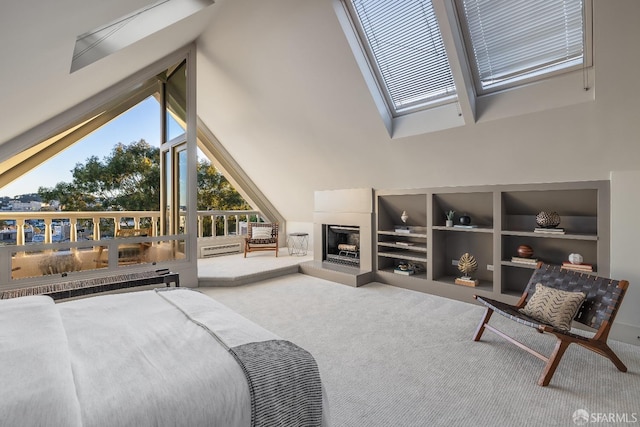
(42, 243)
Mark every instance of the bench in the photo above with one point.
(84, 287)
(597, 313)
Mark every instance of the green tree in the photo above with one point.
(129, 179)
(215, 192)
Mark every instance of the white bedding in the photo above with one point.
(136, 359)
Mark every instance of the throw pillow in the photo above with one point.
(553, 306)
(261, 232)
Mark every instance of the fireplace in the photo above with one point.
(342, 244)
(343, 239)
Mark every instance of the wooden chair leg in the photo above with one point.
(552, 364)
(608, 353)
(483, 322)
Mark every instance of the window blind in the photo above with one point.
(512, 40)
(405, 45)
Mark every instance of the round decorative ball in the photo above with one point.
(465, 219)
(525, 251)
(548, 219)
(575, 258)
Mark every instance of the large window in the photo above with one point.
(406, 51)
(510, 43)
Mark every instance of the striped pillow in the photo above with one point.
(553, 306)
(261, 232)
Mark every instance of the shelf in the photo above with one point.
(518, 265)
(421, 275)
(415, 248)
(505, 216)
(395, 233)
(465, 230)
(402, 256)
(450, 280)
(568, 236)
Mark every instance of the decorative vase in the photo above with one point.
(548, 219)
(449, 223)
(525, 251)
(465, 219)
(575, 258)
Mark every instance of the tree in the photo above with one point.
(215, 192)
(129, 179)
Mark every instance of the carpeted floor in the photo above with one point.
(393, 357)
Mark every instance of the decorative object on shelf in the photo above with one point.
(546, 219)
(465, 220)
(585, 268)
(404, 268)
(404, 216)
(543, 230)
(525, 251)
(449, 216)
(467, 264)
(575, 259)
(526, 261)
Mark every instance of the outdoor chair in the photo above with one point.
(560, 292)
(132, 253)
(261, 236)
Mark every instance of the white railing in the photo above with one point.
(56, 226)
(27, 238)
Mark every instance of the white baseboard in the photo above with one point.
(626, 333)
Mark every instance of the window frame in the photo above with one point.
(530, 77)
(380, 81)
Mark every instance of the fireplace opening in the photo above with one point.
(342, 245)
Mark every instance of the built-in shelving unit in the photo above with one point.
(502, 218)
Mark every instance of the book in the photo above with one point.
(402, 230)
(405, 243)
(577, 267)
(520, 260)
(465, 226)
(408, 272)
(549, 230)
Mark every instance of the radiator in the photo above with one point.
(229, 248)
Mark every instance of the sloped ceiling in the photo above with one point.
(38, 39)
(279, 87)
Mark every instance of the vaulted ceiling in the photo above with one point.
(279, 87)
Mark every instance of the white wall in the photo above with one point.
(278, 77)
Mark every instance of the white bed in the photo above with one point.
(150, 358)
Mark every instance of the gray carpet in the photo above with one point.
(393, 357)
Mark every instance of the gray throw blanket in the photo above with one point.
(284, 382)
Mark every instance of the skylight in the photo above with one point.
(512, 42)
(406, 51)
(126, 30)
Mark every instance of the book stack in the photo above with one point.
(405, 272)
(465, 226)
(548, 230)
(527, 261)
(587, 268)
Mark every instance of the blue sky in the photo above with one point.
(140, 122)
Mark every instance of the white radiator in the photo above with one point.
(207, 251)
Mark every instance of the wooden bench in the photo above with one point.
(84, 287)
(597, 312)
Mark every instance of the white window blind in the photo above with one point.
(404, 44)
(511, 41)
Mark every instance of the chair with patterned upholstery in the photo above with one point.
(261, 236)
(553, 298)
